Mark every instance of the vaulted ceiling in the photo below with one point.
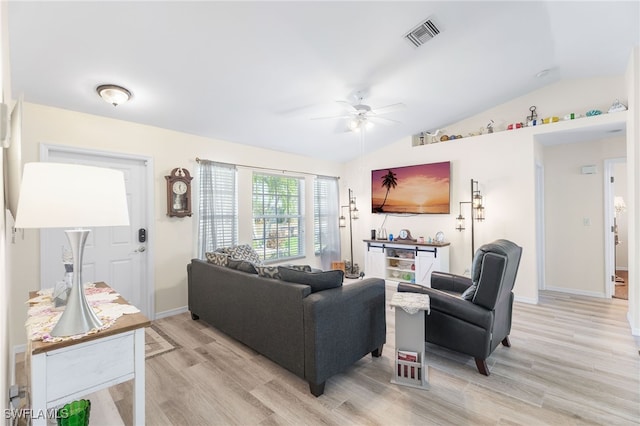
(257, 72)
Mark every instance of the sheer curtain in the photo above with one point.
(218, 207)
(327, 212)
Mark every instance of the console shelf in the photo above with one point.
(403, 261)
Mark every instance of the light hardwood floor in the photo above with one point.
(572, 361)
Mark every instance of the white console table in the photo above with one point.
(404, 261)
(61, 372)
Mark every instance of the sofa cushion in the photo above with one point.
(244, 252)
(268, 271)
(242, 265)
(220, 259)
(318, 281)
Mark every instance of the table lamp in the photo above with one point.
(58, 195)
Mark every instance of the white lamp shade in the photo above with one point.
(57, 195)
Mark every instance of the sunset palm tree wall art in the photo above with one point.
(388, 181)
(419, 189)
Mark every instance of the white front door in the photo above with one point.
(114, 255)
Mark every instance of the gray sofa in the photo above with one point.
(313, 335)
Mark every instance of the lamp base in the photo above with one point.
(77, 317)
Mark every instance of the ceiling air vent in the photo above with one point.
(423, 33)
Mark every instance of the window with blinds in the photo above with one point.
(218, 207)
(278, 216)
(326, 234)
(320, 213)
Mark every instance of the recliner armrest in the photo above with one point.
(450, 282)
(452, 305)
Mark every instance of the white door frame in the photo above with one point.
(540, 240)
(149, 288)
(609, 214)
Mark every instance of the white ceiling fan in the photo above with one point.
(360, 115)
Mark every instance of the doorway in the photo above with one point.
(112, 254)
(616, 231)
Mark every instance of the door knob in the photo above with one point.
(140, 249)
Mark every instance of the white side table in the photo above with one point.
(63, 371)
(410, 368)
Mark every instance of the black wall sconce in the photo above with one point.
(354, 214)
(477, 213)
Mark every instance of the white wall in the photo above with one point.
(632, 78)
(173, 242)
(502, 162)
(507, 184)
(575, 250)
(5, 293)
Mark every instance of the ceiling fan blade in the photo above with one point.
(389, 108)
(382, 120)
(348, 105)
(331, 117)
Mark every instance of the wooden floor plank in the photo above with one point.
(573, 361)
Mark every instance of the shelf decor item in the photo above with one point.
(59, 195)
(617, 106)
(75, 413)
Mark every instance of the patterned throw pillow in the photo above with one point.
(224, 250)
(303, 268)
(219, 259)
(268, 271)
(245, 252)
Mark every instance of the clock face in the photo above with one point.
(179, 187)
(403, 234)
(440, 237)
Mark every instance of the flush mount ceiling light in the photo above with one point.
(113, 94)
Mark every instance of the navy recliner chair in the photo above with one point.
(473, 315)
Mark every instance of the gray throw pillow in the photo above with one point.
(242, 265)
(318, 281)
(469, 293)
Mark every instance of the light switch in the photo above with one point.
(586, 221)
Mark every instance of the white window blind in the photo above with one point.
(326, 241)
(218, 207)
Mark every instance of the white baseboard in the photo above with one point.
(622, 268)
(577, 292)
(171, 312)
(528, 300)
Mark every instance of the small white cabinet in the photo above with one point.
(405, 261)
